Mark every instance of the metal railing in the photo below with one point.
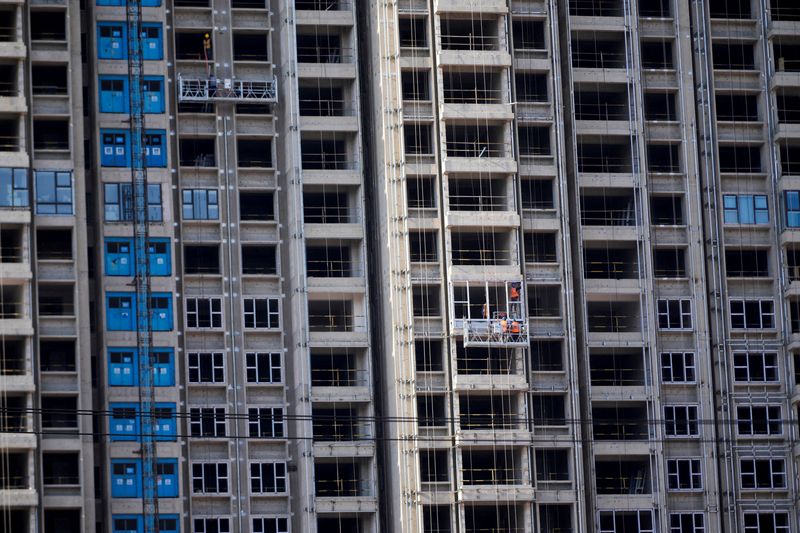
(471, 42)
(339, 377)
(475, 95)
(336, 323)
(209, 89)
(324, 54)
(324, 108)
(476, 149)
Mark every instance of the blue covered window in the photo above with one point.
(111, 40)
(200, 204)
(151, 41)
(123, 424)
(745, 209)
(126, 482)
(125, 478)
(118, 202)
(113, 94)
(166, 424)
(161, 311)
(53, 192)
(14, 187)
(145, 3)
(120, 311)
(154, 151)
(119, 257)
(792, 209)
(158, 252)
(154, 94)
(167, 483)
(114, 149)
(123, 367)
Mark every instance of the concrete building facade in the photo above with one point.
(446, 266)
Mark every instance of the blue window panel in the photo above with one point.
(154, 94)
(761, 209)
(120, 311)
(111, 40)
(119, 257)
(792, 209)
(161, 311)
(126, 523)
(122, 369)
(166, 423)
(163, 367)
(113, 94)
(152, 47)
(123, 423)
(730, 209)
(155, 153)
(167, 481)
(158, 252)
(114, 149)
(747, 213)
(125, 478)
(145, 3)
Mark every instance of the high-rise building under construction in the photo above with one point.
(399, 266)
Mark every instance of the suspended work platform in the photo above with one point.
(491, 314)
(227, 90)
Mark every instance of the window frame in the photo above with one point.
(59, 189)
(205, 520)
(274, 428)
(785, 528)
(254, 362)
(209, 200)
(208, 422)
(685, 317)
(688, 369)
(219, 467)
(745, 209)
(250, 313)
(124, 202)
(695, 473)
(194, 316)
(768, 421)
(766, 367)
(763, 314)
(260, 483)
(672, 423)
(197, 367)
(694, 527)
(748, 478)
(280, 527)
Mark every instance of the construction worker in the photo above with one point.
(514, 292)
(207, 50)
(485, 310)
(515, 329)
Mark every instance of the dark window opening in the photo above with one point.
(604, 157)
(254, 153)
(429, 355)
(51, 244)
(328, 261)
(784, 10)
(60, 469)
(597, 53)
(660, 106)
(256, 206)
(326, 208)
(531, 88)
(57, 356)
(607, 210)
(321, 48)
(613, 317)
(669, 262)
(421, 192)
(595, 8)
(324, 154)
(423, 246)
(425, 301)
(622, 476)
(45, 79)
(744, 263)
(730, 9)
(654, 8)
(737, 107)
(537, 194)
(627, 421)
(528, 34)
(473, 34)
(610, 262)
(534, 141)
(666, 210)
(250, 46)
(616, 367)
(197, 152)
(657, 55)
(663, 158)
(321, 101)
(540, 247)
(56, 300)
(787, 57)
(259, 259)
(601, 105)
(413, 32)
(546, 356)
(48, 25)
(201, 259)
(738, 158)
(189, 46)
(416, 85)
(50, 134)
(733, 55)
(418, 140)
(13, 357)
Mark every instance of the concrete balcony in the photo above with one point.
(470, 58)
(20, 497)
(470, 6)
(500, 493)
(346, 504)
(341, 18)
(359, 449)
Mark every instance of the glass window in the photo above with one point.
(118, 202)
(53, 192)
(14, 187)
(792, 209)
(745, 209)
(200, 204)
